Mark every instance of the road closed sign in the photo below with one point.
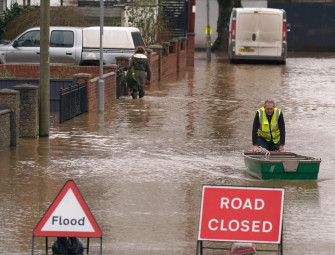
(68, 216)
(244, 214)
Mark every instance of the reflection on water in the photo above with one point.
(141, 164)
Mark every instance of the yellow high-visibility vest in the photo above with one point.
(264, 127)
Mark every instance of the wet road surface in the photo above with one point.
(141, 164)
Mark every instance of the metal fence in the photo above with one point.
(73, 102)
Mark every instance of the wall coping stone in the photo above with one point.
(8, 92)
(115, 66)
(26, 87)
(4, 111)
(104, 76)
(82, 75)
(156, 46)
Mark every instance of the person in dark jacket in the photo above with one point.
(142, 69)
(268, 130)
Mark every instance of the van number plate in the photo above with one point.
(246, 50)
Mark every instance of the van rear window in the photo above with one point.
(137, 38)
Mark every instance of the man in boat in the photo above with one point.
(268, 130)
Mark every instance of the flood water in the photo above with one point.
(141, 165)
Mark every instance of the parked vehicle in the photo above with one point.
(257, 34)
(73, 45)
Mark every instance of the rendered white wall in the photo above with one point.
(201, 21)
(254, 3)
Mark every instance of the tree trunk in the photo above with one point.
(225, 8)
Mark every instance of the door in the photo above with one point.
(259, 33)
(62, 47)
(27, 49)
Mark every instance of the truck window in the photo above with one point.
(62, 39)
(137, 38)
(29, 39)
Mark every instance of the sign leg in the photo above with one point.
(46, 245)
(88, 245)
(101, 245)
(199, 248)
(32, 245)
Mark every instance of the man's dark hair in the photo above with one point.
(269, 102)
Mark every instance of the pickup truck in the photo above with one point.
(72, 45)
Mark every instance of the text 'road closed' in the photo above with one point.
(241, 214)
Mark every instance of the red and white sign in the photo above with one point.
(243, 214)
(68, 216)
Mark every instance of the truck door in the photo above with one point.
(26, 49)
(62, 47)
(259, 33)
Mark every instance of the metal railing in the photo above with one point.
(73, 102)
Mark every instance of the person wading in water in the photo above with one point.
(269, 128)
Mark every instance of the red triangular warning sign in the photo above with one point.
(68, 216)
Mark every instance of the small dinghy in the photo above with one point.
(281, 165)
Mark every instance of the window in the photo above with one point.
(61, 39)
(137, 38)
(30, 39)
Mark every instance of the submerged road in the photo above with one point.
(142, 163)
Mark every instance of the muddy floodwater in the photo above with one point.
(141, 164)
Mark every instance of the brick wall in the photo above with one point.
(155, 67)
(57, 71)
(163, 64)
(93, 86)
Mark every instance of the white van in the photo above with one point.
(257, 34)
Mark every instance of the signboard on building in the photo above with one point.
(244, 214)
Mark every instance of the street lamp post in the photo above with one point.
(101, 87)
(208, 37)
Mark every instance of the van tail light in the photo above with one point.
(233, 30)
(284, 31)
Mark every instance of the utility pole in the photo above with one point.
(208, 39)
(101, 88)
(44, 112)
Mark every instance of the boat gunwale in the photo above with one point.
(300, 158)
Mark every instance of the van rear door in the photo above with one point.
(259, 33)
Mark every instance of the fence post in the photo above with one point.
(10, 99)
(82, 77)
(159, 50)
(28, 110)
